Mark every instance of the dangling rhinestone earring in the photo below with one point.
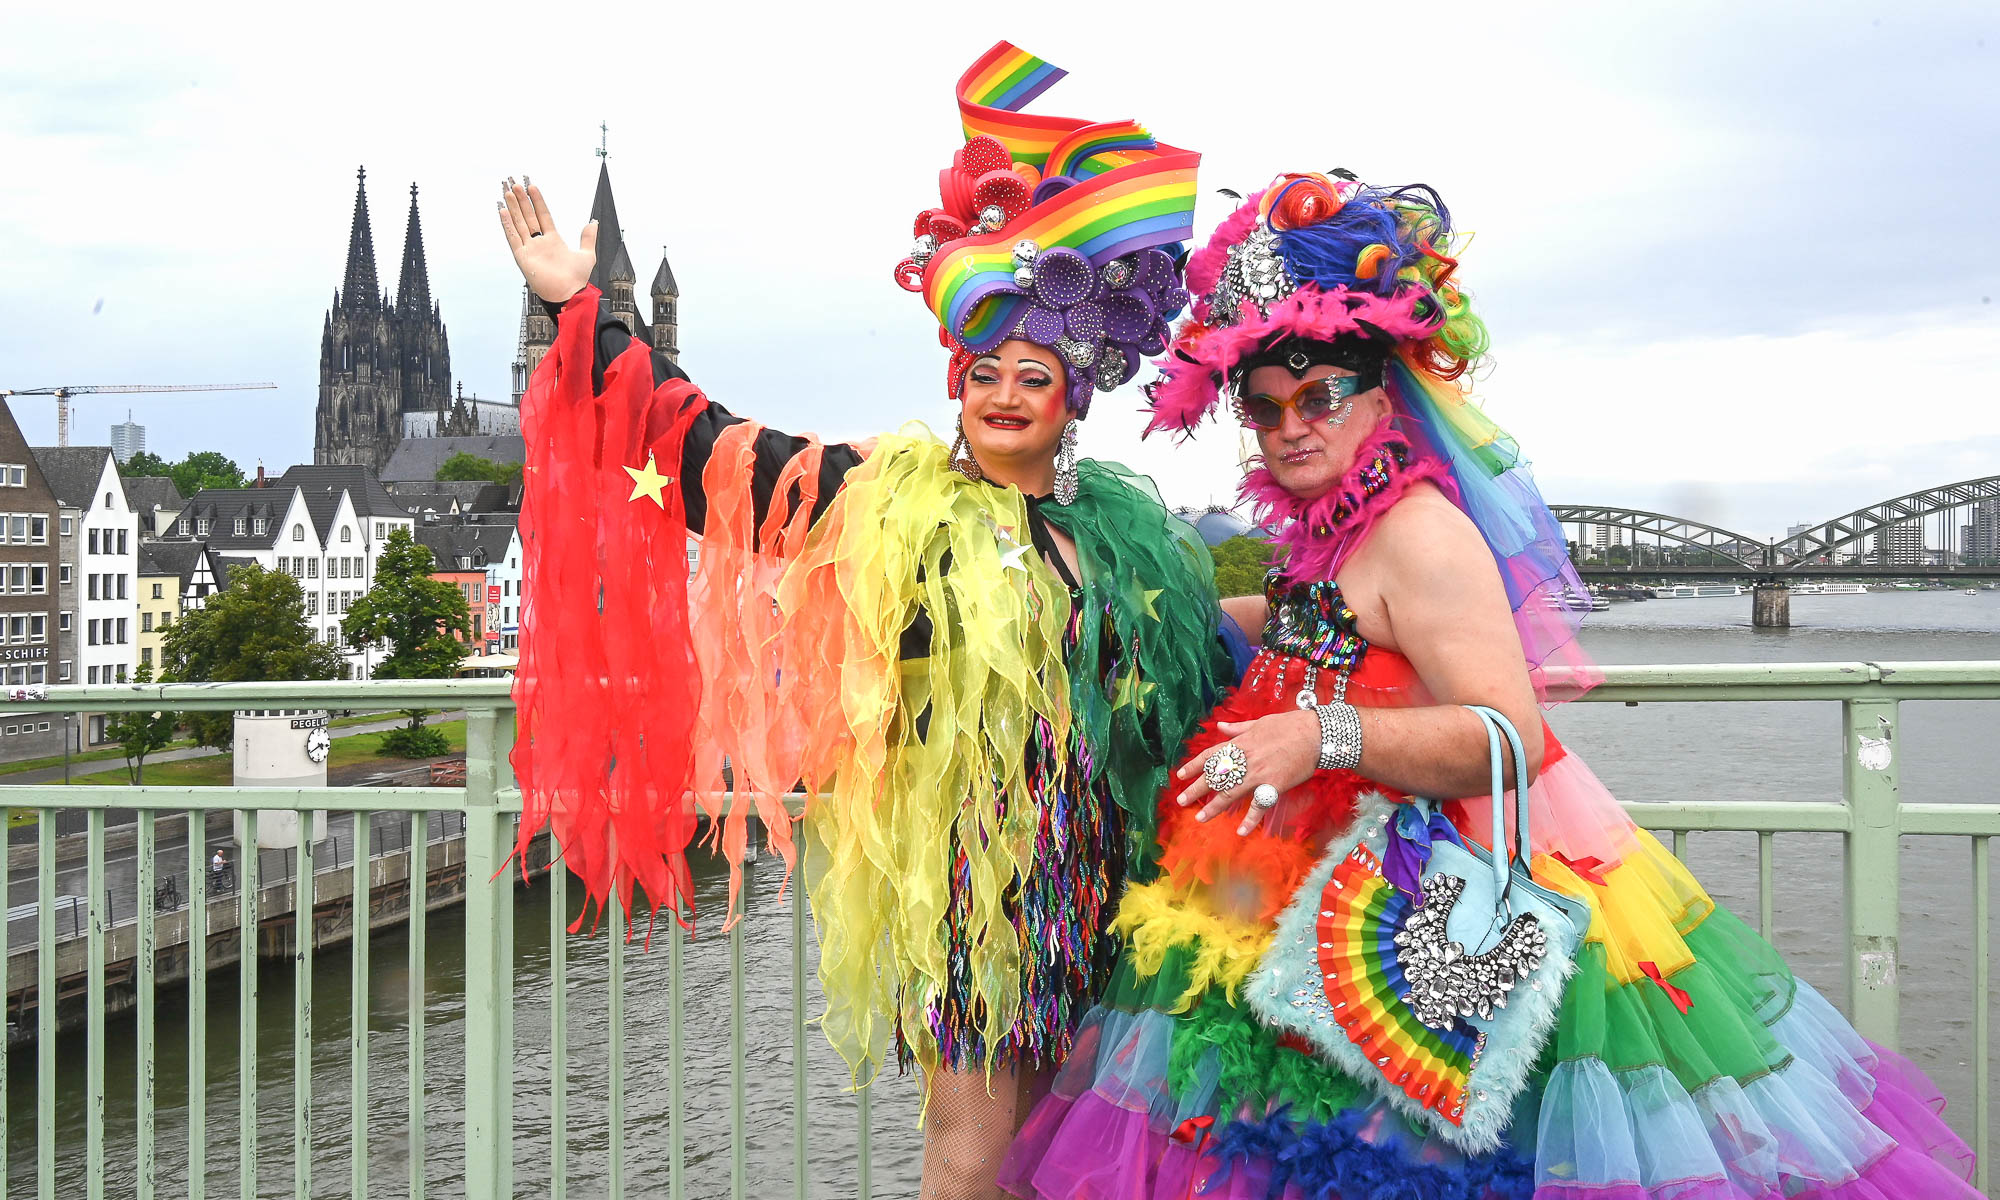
(1066, 465)
(967, 466)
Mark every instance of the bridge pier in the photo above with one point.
(1771, 605)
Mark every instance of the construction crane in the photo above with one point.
(62, 395)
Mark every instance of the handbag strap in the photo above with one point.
(1497, 725)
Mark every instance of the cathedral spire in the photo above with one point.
(413, 288)
(361, 287)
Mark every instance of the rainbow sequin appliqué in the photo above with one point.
(1360, 914)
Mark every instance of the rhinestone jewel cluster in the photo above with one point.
(1447, 983)
(1256, 272)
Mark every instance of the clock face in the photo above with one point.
(317, 744)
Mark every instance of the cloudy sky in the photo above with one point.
(1739, 260)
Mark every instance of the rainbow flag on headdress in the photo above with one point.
(1132, 193)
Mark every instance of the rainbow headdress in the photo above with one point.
(1322, 261)
(1054, 230)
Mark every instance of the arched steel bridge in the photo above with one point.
(1949, 530)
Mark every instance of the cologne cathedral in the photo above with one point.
(382, 357)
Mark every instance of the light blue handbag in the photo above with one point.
(1442, 1000)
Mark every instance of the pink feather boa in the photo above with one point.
(1319, 535)
(1197, 367)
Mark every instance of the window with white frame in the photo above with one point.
(180, 527)
(62, 671)
(38, 580)
(258, 526)
(237, 527)
(63, 576)
(67, 527)
(39, 531)
(38, 628)
(380, 527)
(202, 525)
(312, 568)
(12, 475)
(62, 622)
(346, 534)
(298, 533)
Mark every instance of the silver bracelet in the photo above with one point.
(1339, 737)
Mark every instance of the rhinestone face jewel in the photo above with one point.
(1445, 982)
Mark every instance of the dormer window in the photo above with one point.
(236, 527)
(202, 526)
(258, 526)
(181, 527)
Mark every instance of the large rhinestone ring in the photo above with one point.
(1265, 797)
(1226, 768)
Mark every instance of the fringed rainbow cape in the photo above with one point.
(784, 655)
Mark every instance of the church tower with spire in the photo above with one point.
(617, 283)
(380, 356)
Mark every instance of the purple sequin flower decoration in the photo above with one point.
(1102, 317)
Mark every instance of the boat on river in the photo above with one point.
(1830, 589)
(1697, 591)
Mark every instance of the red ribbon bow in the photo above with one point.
(1588, 869)
(1193, 1132)
(1681, 999)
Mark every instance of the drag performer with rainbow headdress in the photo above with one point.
(1419, 572)
(961, 650)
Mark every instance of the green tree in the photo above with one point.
(1240, 563)
(140, 733)
(252, 632)
(143, 463)
(205, 469)
(418, 616)
(463, 467)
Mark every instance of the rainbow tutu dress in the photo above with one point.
(1688, 1062)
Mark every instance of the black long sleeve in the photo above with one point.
(773, 450)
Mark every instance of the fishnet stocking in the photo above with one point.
(967, 1129)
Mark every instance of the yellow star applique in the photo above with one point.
(1130, 689)
(648, 482)
(1146, 601)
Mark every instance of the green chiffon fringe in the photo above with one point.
(1147, 666)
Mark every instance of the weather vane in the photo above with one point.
(603, 140)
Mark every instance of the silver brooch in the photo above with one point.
(1111, 367)
(1447, 983)
(1076, 352)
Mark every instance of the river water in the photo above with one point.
(1950, 753)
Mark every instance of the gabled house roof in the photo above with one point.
(73, 472)
(222, 506)
(151, 493)
(323, 486)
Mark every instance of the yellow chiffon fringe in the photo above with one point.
(1642, 911)
(905, 804)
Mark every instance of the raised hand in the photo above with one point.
(553, 270)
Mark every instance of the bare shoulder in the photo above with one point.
(1426, 532)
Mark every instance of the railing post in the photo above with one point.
(1870, 772)
(489, 960)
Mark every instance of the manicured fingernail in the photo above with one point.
(525, 181)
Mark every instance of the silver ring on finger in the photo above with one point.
(1264, 798)
(1226, 768)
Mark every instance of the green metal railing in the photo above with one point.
(1871, 817)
